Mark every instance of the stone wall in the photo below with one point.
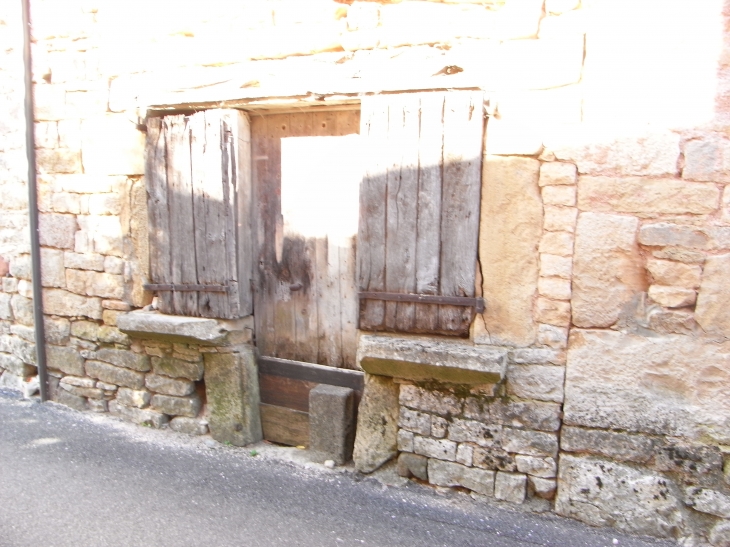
(604, 249)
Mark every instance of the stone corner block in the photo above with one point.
(377, 424)
(331, 423)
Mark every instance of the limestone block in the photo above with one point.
(666, 321)
(412, 420)
(24, 332)
(63, 202)
(540, 382)
(331, 423)
(552, 312)
(71, 400)
(676, 274)
(25, 351)
(115, 375)
(510, 487)
(93, 283)
(554, 288)
(540, 64)
(112, 145)
(555, 337)
(707, 159)
(57, 230)
(22, 309)
(52, 268)
(16, 366)
(543, 488)
(713, 302)
(98, 405)
(557, 243)
(25, 288)
(104, 204)
(67, 360)
(443, 473)
(88, 184)
(663, 233)
(509, 234)
(720, 534)
(652, 153)
(666, 385)
(691, 463)
(435, 402)
(513, 138)
(58, 160)
(475, 432)
(78, 381)
(441, 449)
(726, 205)
(537, 467)
(557, 173)
(560, 218)
(412, 465)
(559, 195)
(87, 392)
(124, 358)
(708, 501)
(113, 265)
(646, 197)
(605, 493)
(177, 406)
(20, 267)
(87, 330)
(537, 356)
(178, 328)
(9, 284)
(232, 392)
(50, 102)
(672, 297)
(607, 270)
(99, 234)
(189, 426)
(465, 454)
(109, 317)
(439, 427)
(138, 415)
(494, 458)
(405, 441)
(84, 261)
(177, 368)
(558, 266)
(616, 446)
(133, 397)
(556, 7)
(169, 386)
(530, 443)
(526, 415)
(112, 335)
(6, 311)
(377, 424)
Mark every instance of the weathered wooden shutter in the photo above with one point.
(198, 185)
(419, 212)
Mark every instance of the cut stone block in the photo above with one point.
(138, 415)
(189, 426)
(443, 473)
(510, 487)
(115, 375)
(65, 359)
(177, 368)
(169, 386)
(232, 391)
(179, 329)
(331, 423)
(377, 424)
(413, 465)
(177, 406)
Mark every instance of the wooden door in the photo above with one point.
(306, 178)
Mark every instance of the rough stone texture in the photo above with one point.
(90, 392)
(713, 302)
(604, 493)
(169, 386)
(708, 501)
(560, 218)
(185, 329)
(473, 431)
(552, 312)
(646, 197)
(661, 234)
(177, 368)
(115, 375)
(57, 230)
(87, 330)
(132, 397)
(232, 392)
(493, 458)
(559, 195)
(617, 446)
(672, 297)
(16, 366)
(70, 400)
(112, 146)
(672, 321)
(538, 467)
(530, 443)
(414, 421)
(555, 288)
(677, 274)
(84, 261)
(720, 534)
(510, 487)
(707, 159)
(6, 311)
(557, 243)
(691, 463)
(52, 269)
(509, 235)
(607, 268)
(377, 424)
(431, 401)
(543, 488)
(679, 254)
(404, 442)
(22, 309)
(331, 423)
(558, 266)
(93, 283)
(441, 449)
(177, 406)
(540, 382)
(67, 360)
(443, 473)
(189, 426)
(424, 359)
(465, 454)
(439, 427)
(112, 335)
(556, 173)
(666, 385)
(138, 415)
(413, 465)
(124, 358)
(526, 415)
(60, 302)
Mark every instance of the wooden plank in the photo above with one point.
(371, 232)
(241, 127)
(328, 296)
(349, 304)
(428, 229)
(182, 230)
(285, 425)
(402, 209)
(348, 122)
(286, 392)
(463, 135)
(319, 374)
(158, 209)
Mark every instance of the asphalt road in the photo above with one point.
(72, 479)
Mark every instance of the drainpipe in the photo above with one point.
(35, 244)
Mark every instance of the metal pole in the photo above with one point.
(35, 244)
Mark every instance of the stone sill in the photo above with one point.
(423, 359)
(187, 330)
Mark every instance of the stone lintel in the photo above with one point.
(427, 359)
(177, 328)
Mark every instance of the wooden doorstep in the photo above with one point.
(285, 425)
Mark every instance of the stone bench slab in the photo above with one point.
(197, 330)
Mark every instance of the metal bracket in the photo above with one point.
(477, 303)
